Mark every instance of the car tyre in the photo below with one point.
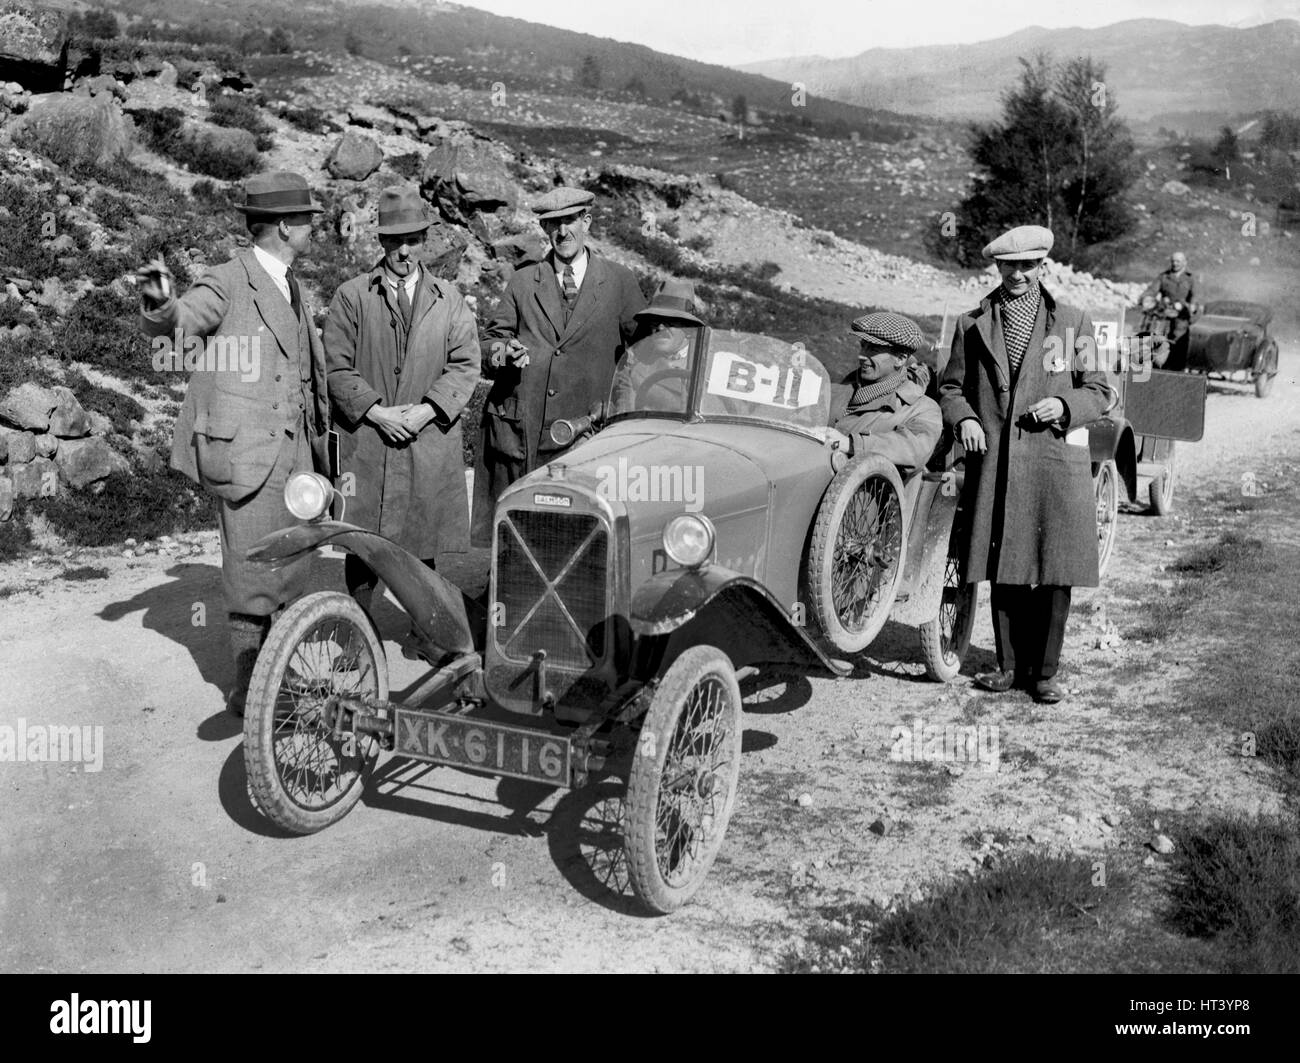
(946, 639)
(1161, 492)
(1106, 490)
(682, 786)
(856, 554)
(302, 776)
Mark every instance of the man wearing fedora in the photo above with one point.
(555, 338)
(655, 372)
(1019, 390)
(241, 435)
(401, 348)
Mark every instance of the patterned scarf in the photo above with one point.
(869, 393)
(1018, 317)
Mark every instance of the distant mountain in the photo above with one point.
(477, 49)
(1158, 69)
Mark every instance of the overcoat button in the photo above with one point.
(277, 377)
(275, 405)
(397, 370)
(550, 392)
(1004, 387)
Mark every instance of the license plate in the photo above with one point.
(491, 747)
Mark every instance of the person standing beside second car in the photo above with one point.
(1019, 390)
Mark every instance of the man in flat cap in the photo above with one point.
(553, 344)
(241, 434)
(1020, 387)
(1170, 295)
(401, 347)
(882, 408)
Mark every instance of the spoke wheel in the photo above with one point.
(946, 638)
(1106, 486)
(302, 775)
(683, 783)
(1161, 492)
(1268, 371)
(855, 558)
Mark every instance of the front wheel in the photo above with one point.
(304, 772)
(855, 559)
(1267, 372)
(683, 782)
(1106, 488)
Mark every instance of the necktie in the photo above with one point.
(570, 290)
(404, 304)
(295, 294)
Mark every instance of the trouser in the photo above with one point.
(361, 579)
(1029, 627)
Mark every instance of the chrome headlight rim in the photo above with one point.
(307, 495)
(673, 543)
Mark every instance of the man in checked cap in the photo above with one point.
(241, 435)
(883, 408)
(1022, 384)
(552, 346)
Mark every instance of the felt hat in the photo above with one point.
(276, 193)
(402, 210)
(674, 299)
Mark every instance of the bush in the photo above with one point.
(15, 312)
(240, 112)
(309, 119)
(163, 131)
(119, 408)
(136, 504)
(19, 362)
(15, 538)
(113, 211)
(100, 330)
(407, 166)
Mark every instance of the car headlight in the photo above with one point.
(688, 539)
(307, 495)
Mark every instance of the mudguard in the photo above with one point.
(740, 614)
(927, 552)
(441, 613)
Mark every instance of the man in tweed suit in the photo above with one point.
(1022, 383)
(242, 434)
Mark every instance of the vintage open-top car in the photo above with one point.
(706, 526)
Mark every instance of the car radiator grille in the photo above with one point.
(551, 580)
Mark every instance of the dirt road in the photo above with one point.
(157, 861)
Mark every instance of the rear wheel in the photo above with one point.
(683, 783)
(1267, 372)
(1161, 491)
(1106, 487)
(855, 559)
(946, 638)
(304, 776)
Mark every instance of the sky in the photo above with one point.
(732, 32)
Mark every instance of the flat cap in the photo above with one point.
(1021, 243)
(888, 330)
(561, 202)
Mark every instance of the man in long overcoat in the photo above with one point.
(249, 423)
(557, 334)
(402, 351)
(1023, 381)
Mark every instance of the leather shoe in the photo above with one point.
(998, 682)
(1048, 691)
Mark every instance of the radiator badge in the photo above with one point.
(553, 500)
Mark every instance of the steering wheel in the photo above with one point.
(641, 394)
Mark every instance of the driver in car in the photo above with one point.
(883, 408)
(655, 372)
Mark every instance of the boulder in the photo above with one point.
(101, 85)
(84, 461)
(354, 158)
(20, 447)
(221, 138)
(1175, 188)
(100, 425)
(167, 76)
(6, 498)
(28, 406)
(39, 477)
(71, 129)
(33, 46)
(470, 175)
(68, 419)
(46, 444)
(516, 250)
